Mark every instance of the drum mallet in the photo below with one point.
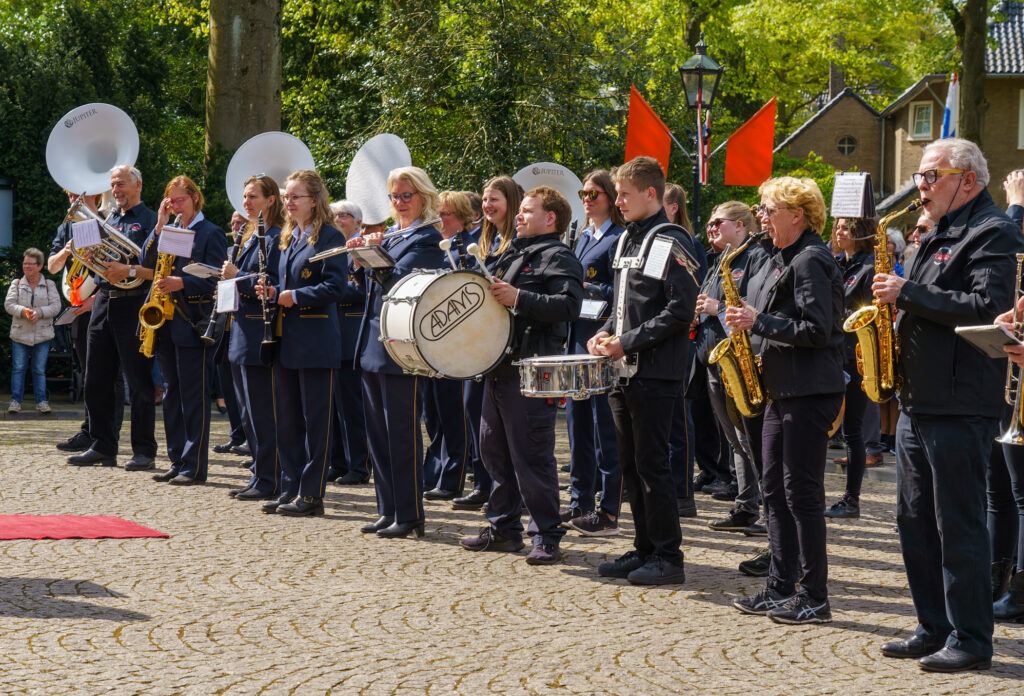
(474, 249)
(446, 247)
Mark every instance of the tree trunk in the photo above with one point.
(973, 104)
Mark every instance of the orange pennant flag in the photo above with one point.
(646, 134)
(748, 154)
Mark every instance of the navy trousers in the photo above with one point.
(517, 441)
(444, 417)
(305, 416)
(592, 450)
(256, 400)
(188, 372)
(392, 407)
(473, 398)
(940, 512)
(349, 451)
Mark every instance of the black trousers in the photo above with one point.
(853, 431)
(113, 344)
(188, 371)
(444, 418)
(349, 451)
(255, 384)
(80, 341)
(643, 412)
(473, 398)
(794, 445)
(940, 512)
(392, 406)
(304, 406)
(229, 392)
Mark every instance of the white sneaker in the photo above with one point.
(43, 407)
(14, 407)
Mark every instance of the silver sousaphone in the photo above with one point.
(85, 144)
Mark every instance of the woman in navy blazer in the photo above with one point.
(390, 398)
(309, 345)
(186, 362)
(252, 378)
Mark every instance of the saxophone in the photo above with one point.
(741, 372)
(158, 307)
(877, 344)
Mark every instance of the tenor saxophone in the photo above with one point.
(158, 307)
(877, 344)
(734, 356)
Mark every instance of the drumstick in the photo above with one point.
(446, 247)
(474, 249)
(606, 340)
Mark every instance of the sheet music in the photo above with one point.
(176, 241)
(657, 258)
(227, 296)
(86, 234)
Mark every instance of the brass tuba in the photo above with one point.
(741, 372)
(877, 344)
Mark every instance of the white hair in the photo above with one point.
(962, 154)
(897, 239)
(132, 171)
(350, 207)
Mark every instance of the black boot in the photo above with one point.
(1001, 571)
(1010, 607)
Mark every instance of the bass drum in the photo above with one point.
(445, 324)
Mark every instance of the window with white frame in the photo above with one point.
(920, 127)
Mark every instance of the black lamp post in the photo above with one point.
(701, 75)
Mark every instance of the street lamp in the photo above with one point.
(701, 75)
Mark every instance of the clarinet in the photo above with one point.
(269, 341)
(218, 320)
(461, 246)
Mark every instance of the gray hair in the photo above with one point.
(132, 171)
(899, 243)
(962, 154)
(349, 207)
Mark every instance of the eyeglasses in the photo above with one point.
(712, 224)
(445, 214)
(289, 199)
(590, 195)
(344, 215)
(930, 176)
(403, 197)
(921, 228)
(768, 211)
(179, 201)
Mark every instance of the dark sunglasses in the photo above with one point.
(590, 195)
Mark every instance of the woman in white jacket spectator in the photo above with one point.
(32, 302)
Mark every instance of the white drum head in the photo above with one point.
(557, 177)
(367, 181)
(87, 143)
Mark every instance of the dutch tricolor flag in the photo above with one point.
(951, 115)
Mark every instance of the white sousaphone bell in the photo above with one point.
(560, 178)
(85, 144)
(274, 153)
(367, 181)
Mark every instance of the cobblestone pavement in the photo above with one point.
(238, 602)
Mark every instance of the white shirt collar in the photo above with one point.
(599, 232)
(196, 220)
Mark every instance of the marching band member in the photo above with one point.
(500, 196)
(540, 278)
(254, 380)
(113, 341)
(799, 314)
(390, 398)
(309, 345)
(60, 253)
(186, 362)
(951, 401)
(592, 448)
(350, 456)
(651, 328)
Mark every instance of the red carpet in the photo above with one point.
(71, 527)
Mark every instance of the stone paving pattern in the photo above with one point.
(238, 602)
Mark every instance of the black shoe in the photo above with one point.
(716, 486)
(915, 646)
(185, 480)
(400, 530)
(1001, 572)
(440, 494)
(658, 571)
(757, 529)
(225, 447)
(353, 478)
(757, 567)
(622, 566)
(1010, 606)
(837, 442)
(953, 660)
(79, 442)
(474, 501)
(490, 540)
(848, 508)
(139, 463)
(253, 494)
(235, 492)
(567, 515)
(544, 554)
(270, 507)
(242, 450)
(91, 457)
(686, 507)
(303, 506)
(332, 475)
(727, 494)
(702, 479)
(166, 476)
(736, 521)
(381, 523)
(761, 603)
(802, 609)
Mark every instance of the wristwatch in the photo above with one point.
(131, 271)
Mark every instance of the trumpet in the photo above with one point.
(1014, 392)
(394, 233)
(114, 247)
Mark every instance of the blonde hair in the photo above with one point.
(740, 212)
(674, 193)
(800, 193)
(421, 183)
(183, 182)
(275, 213)
(321, 211)
(460, 204)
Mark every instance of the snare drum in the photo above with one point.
(445, 324)
(575, 376)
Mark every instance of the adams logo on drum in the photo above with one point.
(451, 311)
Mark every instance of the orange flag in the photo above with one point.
(646, 134)
(748, 154)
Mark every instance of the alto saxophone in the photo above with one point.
(877, 344)
(158, 307)
(741, 372)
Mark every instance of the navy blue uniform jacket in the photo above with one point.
(246, 333)
(596, 256)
